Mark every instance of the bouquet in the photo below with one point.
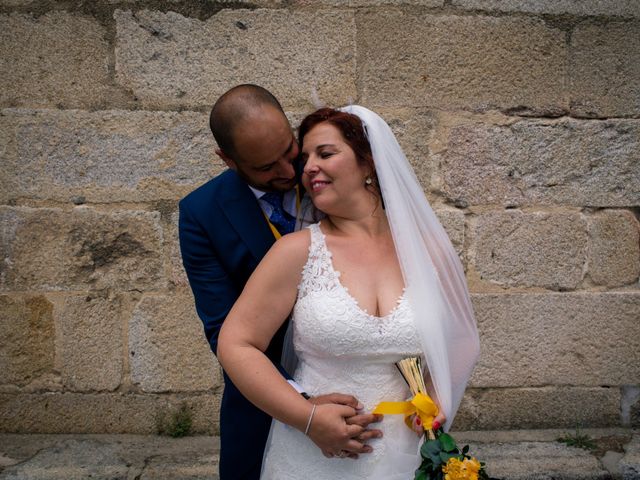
(441, 457)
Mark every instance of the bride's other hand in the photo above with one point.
(439, 421)
(331, 433)
(417, 426)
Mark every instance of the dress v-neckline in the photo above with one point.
(337, 274)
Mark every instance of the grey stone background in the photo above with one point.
(522, 119)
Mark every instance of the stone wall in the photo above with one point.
(522, 119)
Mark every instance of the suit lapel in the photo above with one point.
(241, 208)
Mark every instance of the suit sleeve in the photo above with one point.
(213, 289)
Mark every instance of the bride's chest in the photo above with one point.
(330, 322)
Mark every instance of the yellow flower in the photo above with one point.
(466, 469)
(473, 465)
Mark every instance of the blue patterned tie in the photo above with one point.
(284, 222)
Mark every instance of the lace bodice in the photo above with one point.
(342, 348)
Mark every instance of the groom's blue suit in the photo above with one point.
(223, 237)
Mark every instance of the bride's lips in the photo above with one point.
(319, 185)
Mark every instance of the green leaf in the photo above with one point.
(430, 449)
(444, 456)
(447, 442)
(465, 449)
(421, 475)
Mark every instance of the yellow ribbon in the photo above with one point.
(420, 404)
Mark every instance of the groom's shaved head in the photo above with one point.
(235, 106)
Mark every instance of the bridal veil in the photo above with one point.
(433, 274)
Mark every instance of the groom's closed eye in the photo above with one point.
(269, 166)
(266, 168)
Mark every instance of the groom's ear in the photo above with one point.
(226, 159)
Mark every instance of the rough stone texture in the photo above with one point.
(555, 7)
(137, 453)
(614, 248)
(57, 60)
(170, 60)
(510, 455)
(91, 331)
(366, 3)
(102, 413)
(461, 62)
(62, 457)
(630, 463)
(569, 162)
(605, 69)
(611, 462)
(105, 156)
(167, 347)
(413, 130)
(600, 435)
(453, 222)
(514, 248)
(53, 249)
(72, 460)
(26, 338)
(538, 461)
(177, 275)
(229, 3)
(546, 407)
(542, 339)
(194, 466)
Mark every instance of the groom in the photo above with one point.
(226, 226)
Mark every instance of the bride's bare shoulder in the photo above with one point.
(294, 247)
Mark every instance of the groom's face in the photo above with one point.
(265, 151)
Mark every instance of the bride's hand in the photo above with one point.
(416, 423)
(331, 433)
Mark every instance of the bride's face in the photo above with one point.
(332, 175)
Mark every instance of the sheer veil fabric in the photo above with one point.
(433, 274)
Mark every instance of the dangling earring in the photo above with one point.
(368, 181)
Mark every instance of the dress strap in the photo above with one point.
(316, 239)
(317, 273)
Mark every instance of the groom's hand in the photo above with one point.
(331, 433)
(358, 419)
(361, 419)
(338, 398)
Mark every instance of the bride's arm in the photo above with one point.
(264, 305)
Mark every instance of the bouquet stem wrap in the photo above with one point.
(420, 405)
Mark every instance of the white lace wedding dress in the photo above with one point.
(342, 348)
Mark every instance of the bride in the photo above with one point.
(375, 281)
